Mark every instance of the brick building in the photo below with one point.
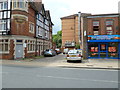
(74, 31)
(103, 36)
(25, 29)
(97, 35)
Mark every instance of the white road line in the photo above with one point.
(68, 78)
(92, 69)
(85, 69)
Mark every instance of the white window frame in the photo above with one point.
(31, 46)
(17, 5)
(3, 46)
(2, 5)
(3, 25)
(31, 27)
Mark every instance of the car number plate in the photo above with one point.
(73, 55)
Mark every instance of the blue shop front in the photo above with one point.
(103, 46)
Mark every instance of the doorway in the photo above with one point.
(19, 51)
(103, 50)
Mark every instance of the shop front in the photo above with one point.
(104, 46)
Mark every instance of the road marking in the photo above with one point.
(91, 69)
(68, 78)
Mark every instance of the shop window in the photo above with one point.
(93, 50)
(96, 27)
(113, 50)
(102, 47)
(109, 27)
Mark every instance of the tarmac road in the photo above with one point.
(56, 77)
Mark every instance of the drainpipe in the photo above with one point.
(79, 26)
(74, 31)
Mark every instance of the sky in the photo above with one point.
(62, 8)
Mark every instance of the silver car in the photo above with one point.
(74, 55)
(49, 52)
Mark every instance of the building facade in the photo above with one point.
(97, 35)
(103, 36)
(25, 29)
(74, 31)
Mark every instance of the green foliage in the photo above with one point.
(77, 46)
(57, 38)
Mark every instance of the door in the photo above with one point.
(103, 50)
(19, 51)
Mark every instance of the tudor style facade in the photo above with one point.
(25, 29)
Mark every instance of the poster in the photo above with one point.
(112, 49)
(102, 46)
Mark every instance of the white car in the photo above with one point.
(74, 55)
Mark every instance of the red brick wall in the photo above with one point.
(23, 28)
(102, 30)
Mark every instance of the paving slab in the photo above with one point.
(88, 63)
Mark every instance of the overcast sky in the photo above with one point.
(61, 8)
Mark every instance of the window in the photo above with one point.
(31, 45)
(2, 25)
(20, 4)
(113, 50)
(96, 27)
(109, 27)
(46, 34)
(31, 27)
(93, 50)
(4, 46)
(3, 5)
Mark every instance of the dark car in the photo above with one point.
(57, 51)
(49, 52)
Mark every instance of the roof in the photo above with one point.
(75, 15)
(70, 16)
(103, 15)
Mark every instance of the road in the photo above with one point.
(57, 58)
(45, 76)
(56, 77)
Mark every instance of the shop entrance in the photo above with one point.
(103, 50)
(109, 50)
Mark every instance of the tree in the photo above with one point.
(57, 38)
(77, 46)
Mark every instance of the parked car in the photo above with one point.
(65, 51)
(74, 55)
(49, 52)
(57, 50)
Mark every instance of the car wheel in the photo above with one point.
(68, 61)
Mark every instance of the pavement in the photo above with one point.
(88, 63)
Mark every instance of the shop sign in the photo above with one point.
(103, 37)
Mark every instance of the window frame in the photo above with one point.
(3, 43)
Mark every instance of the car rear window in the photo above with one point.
(73, 52)
(47, 49)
